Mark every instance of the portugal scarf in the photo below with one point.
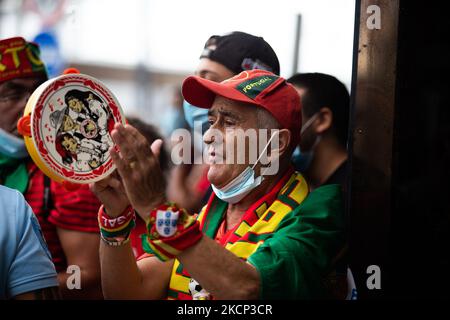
(257, 224)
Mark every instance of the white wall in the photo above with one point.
(169, 35)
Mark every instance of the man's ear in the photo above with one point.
(324, 120)
(284, 140)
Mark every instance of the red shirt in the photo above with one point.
(71, 210)
(135, 237)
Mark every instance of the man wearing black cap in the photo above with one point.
(222, 57)
(239, 51)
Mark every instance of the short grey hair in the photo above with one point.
(265, 119)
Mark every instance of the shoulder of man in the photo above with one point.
(293, 262)
(16, 210)
(10, 201)
(324, 205)
(21, 238)
(319, 221)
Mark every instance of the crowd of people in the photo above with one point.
(214, 229)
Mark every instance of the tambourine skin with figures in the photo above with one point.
(67, 127)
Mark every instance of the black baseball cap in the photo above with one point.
(240, 51)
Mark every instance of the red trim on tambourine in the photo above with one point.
(84, 157)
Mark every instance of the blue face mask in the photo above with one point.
(239, 187)
(170, 121)
(194, 114)
(302, 159)
(12, 146)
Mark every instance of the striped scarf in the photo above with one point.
(258, 223)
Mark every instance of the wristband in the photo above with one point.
(116, 227)
(117, 241)
(170, 231)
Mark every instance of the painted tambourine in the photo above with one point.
(66, 128)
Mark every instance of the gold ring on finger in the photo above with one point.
(132, 164)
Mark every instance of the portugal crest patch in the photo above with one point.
(166, 222)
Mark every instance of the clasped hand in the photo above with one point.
(138, 179)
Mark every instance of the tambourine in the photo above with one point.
(66, 127)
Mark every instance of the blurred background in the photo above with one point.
(143, 49)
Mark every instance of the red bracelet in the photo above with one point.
(110, 224)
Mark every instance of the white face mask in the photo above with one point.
(12, 146)
(239, 187)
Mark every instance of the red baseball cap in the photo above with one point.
(258, 87)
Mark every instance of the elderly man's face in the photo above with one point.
(14, 95)
(227, 117)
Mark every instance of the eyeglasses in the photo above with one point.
(17, 93)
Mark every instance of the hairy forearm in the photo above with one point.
(220, 272)
(121, 278)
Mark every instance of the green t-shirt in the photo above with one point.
(295, 260)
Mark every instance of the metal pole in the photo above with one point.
(297, 43)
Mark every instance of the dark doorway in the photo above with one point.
(399, 204)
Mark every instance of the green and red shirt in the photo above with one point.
(290, 236)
